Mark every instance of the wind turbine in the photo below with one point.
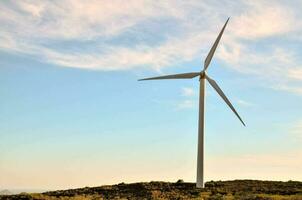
(202, 77)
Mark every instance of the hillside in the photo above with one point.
(237, 189)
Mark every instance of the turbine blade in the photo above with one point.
(174, 76)
(220, 92)
(212, 51)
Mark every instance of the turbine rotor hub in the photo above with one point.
(202, 75)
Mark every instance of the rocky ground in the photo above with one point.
(237, 189)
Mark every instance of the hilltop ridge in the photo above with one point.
(5, 192)
(237, 189)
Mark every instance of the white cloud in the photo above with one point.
(112, 35)
(295, 73)
(31, 26)
(263, 19)
(77, 19)
(185, 104)
(245, 103)
(187, 91)
(289, 88)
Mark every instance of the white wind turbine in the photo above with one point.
(202, 77)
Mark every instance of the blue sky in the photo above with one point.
(73, 113)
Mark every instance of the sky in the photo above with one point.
(73, 113)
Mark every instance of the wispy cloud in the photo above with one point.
(187, 92)
(263, 19)
(185, 104)
(295, 73)
(286, 87)
(188, 99)
(36, 27)
(112, 35)
(245, 103)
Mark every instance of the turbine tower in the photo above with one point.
(202, 77)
